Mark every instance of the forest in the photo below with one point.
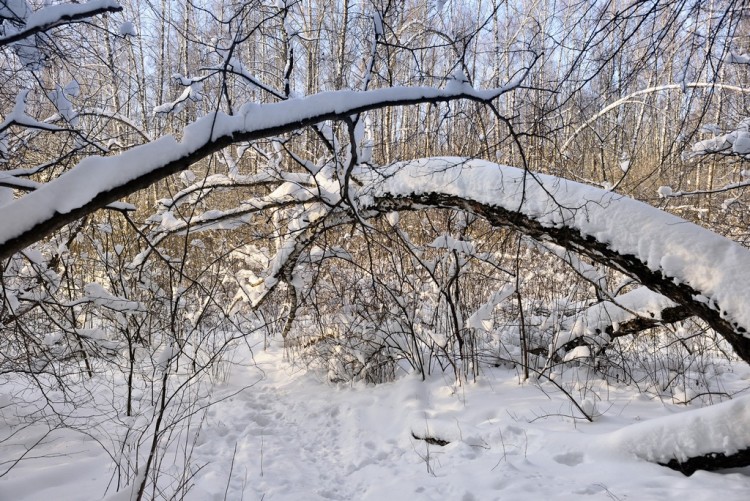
(213, 209)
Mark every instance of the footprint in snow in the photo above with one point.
(569, 458)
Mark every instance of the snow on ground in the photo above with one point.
(291, 435)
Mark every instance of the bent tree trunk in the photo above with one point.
(703, 272)
(692, 300)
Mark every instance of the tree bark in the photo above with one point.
(711, 462)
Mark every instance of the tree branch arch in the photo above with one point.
(539, 207)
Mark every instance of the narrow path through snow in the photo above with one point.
(293, 442)
(300, 437)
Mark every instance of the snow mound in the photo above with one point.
(720, 428)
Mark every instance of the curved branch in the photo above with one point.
(650, 90)
(97, 181)
(701, 271)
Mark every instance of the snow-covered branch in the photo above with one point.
(701, 271)
(19, 117)
(193, 92)
(735, 143)
(98, 181)
(667, 192)
(57, 15)
(629, 313)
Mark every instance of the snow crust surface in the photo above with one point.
(279, 432)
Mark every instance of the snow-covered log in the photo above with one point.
(711, 438)
(711, 461)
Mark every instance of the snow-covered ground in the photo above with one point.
(291, 435)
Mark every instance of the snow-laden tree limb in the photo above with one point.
(52, 16)
(19, 117)
(629, 313)
(702, 271)
(614, 315)
(735, 143)
(98, 181)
